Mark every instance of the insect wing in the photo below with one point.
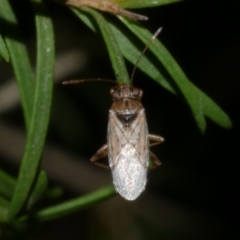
(128, 151)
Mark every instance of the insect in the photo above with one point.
(128, 139)
(128, 142)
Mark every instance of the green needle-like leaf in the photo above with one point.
(4, 202)
(131, 53)
(3, 50)
(4, 208)
(86, 18)
(195, 97)
(7, 185)
(74, 205)
(212, 110)
(39, 190)
(174, 70)
(41, 110)
(3, 214)
(115, 54)
(143, 3)
(19, 58)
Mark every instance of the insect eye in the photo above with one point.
(111, 91)
(136, 92)
(114, 93)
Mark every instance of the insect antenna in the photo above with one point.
(76, 81)
(144, 50)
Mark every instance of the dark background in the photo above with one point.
(194, 195)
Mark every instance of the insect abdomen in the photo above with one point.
(129, 174)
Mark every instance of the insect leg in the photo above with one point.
(101, 153)
(156, 139)
(155, 160)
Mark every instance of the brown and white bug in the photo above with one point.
(128, 142)
(128, 139)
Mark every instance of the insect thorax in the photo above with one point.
(126, 103)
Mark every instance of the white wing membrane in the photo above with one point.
(128, 151)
